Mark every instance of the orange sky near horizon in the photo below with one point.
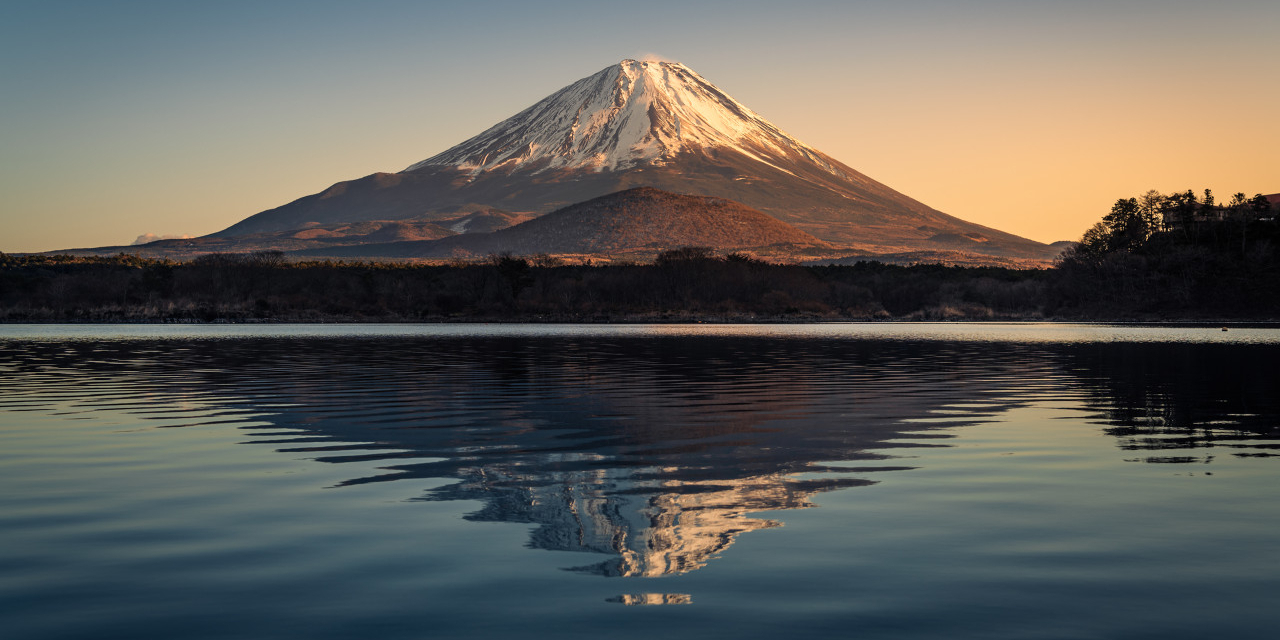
(1031, 117)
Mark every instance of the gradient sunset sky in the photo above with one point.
(124, 118)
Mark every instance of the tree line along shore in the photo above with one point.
(1154, 257)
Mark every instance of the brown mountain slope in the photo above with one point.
(642, 219)
(861, 212)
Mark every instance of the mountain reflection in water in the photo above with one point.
(654, 450)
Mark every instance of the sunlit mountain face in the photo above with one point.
(645, 124)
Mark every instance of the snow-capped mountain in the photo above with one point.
(627, 115)
(646, 124)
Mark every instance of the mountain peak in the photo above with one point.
(632, 62)
(628, 114)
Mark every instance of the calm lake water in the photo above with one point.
(835, 480)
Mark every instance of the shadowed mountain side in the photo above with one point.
(642, 218)
(380, 196)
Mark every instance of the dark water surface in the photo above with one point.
(861, 481)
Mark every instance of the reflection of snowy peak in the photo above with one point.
(651, 529)
(627, 114)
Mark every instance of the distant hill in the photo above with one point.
(636, 220)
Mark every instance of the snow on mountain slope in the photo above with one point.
(626, 114)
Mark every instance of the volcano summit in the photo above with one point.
(644, 124)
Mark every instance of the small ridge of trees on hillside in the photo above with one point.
(1170, 254)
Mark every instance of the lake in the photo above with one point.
(703, 481)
